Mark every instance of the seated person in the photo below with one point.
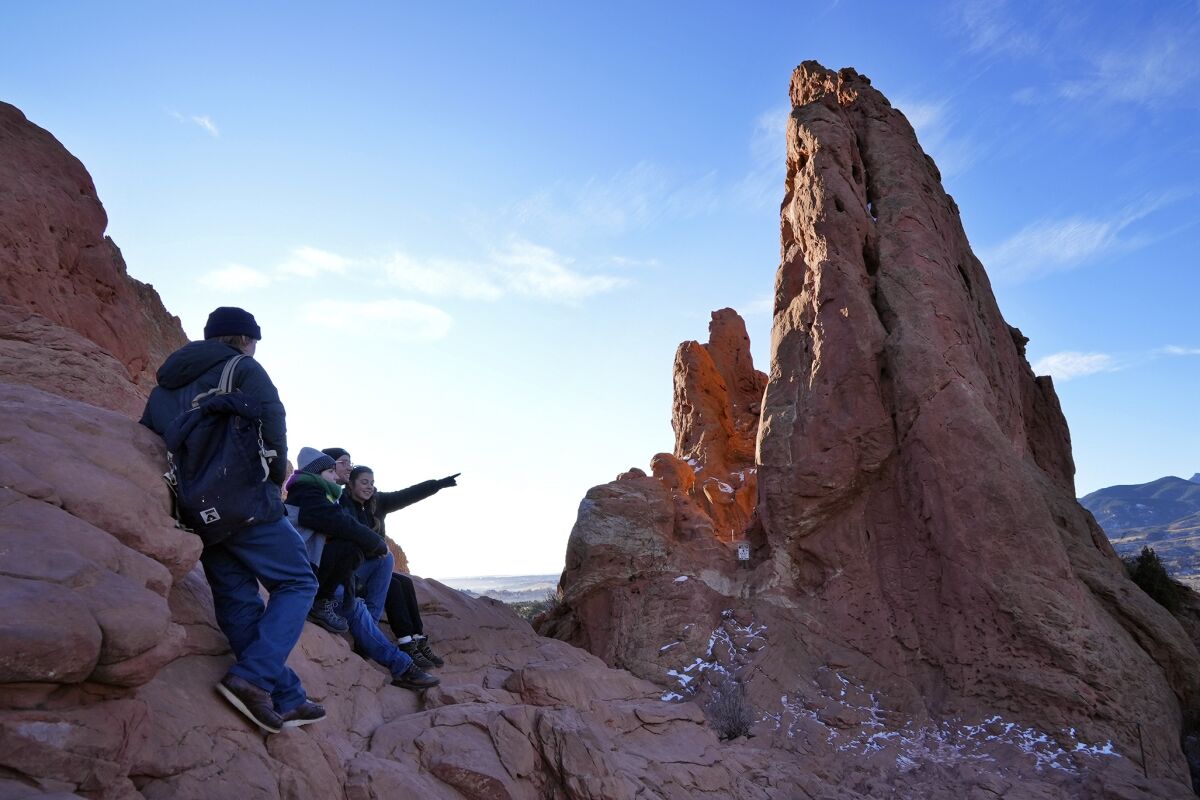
(371, 575)
(370, 507)
(312, 505)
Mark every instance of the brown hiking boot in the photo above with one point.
(254, 703)
(306, 713)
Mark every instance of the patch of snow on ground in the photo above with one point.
(947, 742)
(681, 579)
(722, 649)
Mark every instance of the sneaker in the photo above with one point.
(416, 679)
(253, 702)
(424, 649)
(306, 713)
(413, 649)
(324, 613)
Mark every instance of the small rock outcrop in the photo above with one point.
(63, 280)
(718, 393)
(921, 569)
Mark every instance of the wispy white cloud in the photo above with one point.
(1176, 350)
(441, 277)
(990, 27)
(309, 262)
(519, 267)
(933, 121)
(537, 271)
(1145, 68)
(405, 320)
(207, 124)
(632, 263)
(1048, 246)
(629, 200)
(303, 261)
(762, 187)
(763, 304)
(235, 278)
(1067, 365)
(204, 121)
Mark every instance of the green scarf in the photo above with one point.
(332, 490)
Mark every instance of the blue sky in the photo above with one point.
(474, 237)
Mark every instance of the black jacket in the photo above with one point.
(372, 512)
(195, 368)
(316, 512)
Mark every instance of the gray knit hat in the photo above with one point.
(313, 461)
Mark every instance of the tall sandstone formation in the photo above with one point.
(72, 321)
(921, 568)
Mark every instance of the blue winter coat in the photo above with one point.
(195, 368)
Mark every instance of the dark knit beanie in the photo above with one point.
(231, 321)
(334, 452)
(313, 461)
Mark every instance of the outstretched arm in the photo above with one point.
(394, 501)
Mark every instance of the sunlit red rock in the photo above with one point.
(56, 262)
(919, 562)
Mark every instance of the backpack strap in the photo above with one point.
(225, 384)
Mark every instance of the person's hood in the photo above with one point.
(191, 361)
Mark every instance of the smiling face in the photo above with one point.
(343, 466)
(363, 487)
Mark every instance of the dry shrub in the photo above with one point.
(728, 710)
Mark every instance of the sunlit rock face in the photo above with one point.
(918, 559)
(916, 480)
(67, 307)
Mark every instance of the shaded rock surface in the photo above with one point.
(56, 263)
(921, 571)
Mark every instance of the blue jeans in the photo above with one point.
(370, 639)
(374, 576)
(273, 554)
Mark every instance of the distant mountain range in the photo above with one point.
(1163, 514)
(506, 588)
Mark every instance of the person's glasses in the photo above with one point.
(344, 462)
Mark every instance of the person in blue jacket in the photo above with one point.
(259, 685)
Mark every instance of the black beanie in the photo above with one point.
(231, 321)
(334, 452)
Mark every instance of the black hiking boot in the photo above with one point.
(413, 649)
(306, 713)
(254, 703)
(425, 650)
(415, 679)
(324, 613)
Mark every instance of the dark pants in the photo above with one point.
(402, 612)
(339, 560)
